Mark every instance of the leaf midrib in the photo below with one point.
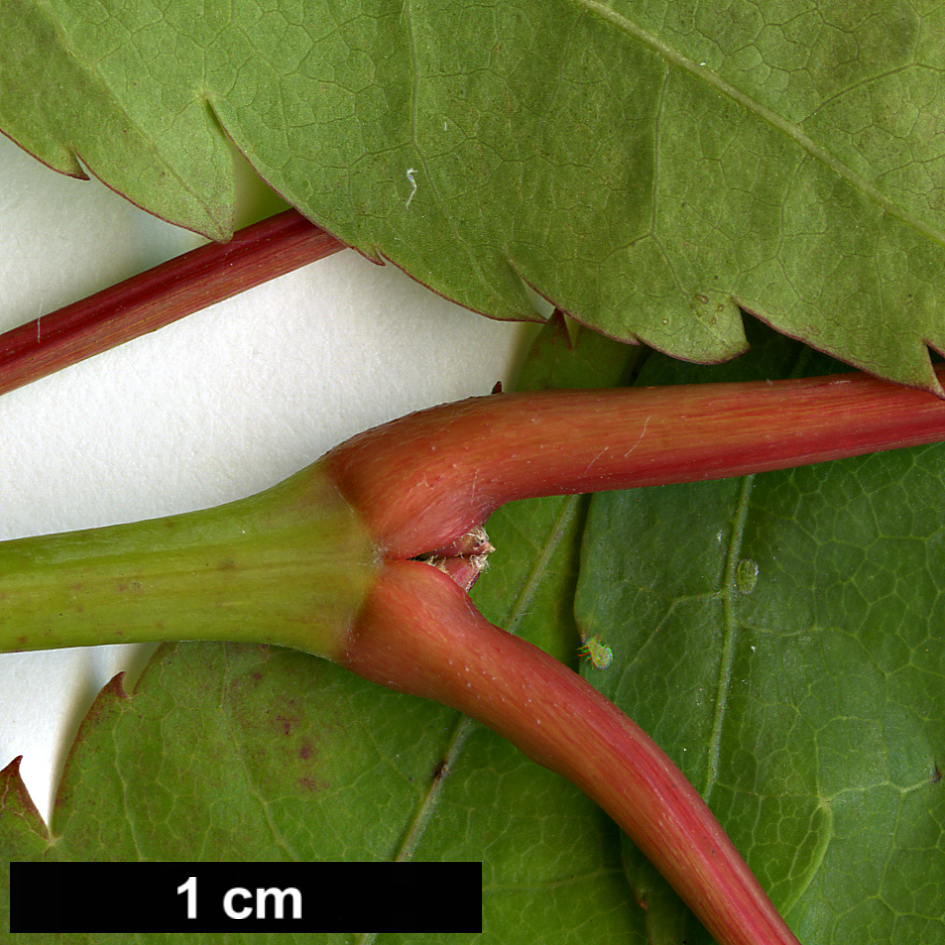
(730, 639)
(675, 58)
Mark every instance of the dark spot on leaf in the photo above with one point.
(286, 722)
(936, 774)
(313, 784)
(306, 749)
(438, 770)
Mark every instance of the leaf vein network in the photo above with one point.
(247, 773)
(128, 805)
(90, 68)
(751, 105)
(421, 157)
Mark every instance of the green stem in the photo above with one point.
(289, 566)
(161, 295)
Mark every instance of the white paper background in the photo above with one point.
(217, 406)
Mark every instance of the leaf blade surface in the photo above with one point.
(647, 167)
(778, 636)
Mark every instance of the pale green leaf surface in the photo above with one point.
(244, 753)
(74, 93)
(648, 167)
(781, 637)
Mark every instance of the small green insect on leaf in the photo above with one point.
(600, 656)
(746, 576)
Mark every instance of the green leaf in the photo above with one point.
(249, 753)
(779, 637)
(75, 93)
(231, 752)
(648, 167)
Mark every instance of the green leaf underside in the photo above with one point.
(647, 166)
(780, 636)
(239, 753)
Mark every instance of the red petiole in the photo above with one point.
(153, 299)
(419, 633)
